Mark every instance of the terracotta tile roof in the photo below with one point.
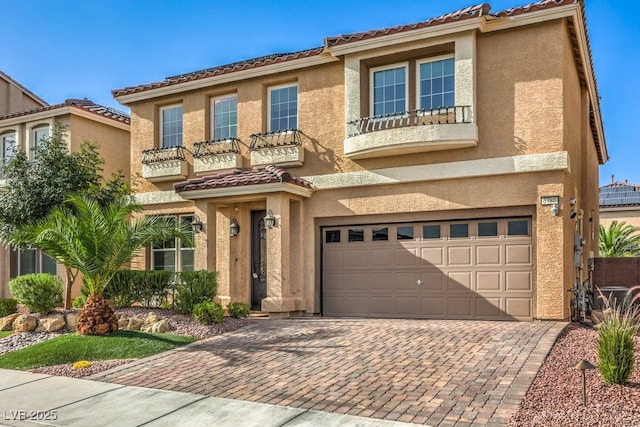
(238, 177)
(222, 69)
(533, 7)
(82, 104)
(459, 15)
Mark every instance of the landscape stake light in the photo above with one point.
(583, 365)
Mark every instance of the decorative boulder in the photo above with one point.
(25, 323)
(123, 323)
(160, 327)
(53, 323)
(72, 321)
(134, 324)
(6, 323)
(151, 319)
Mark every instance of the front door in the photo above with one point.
(258, 259)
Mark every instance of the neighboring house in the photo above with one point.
(620, 201)
(84, 120)
(443, 169)
(15, 97)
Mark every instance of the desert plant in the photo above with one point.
(616, 334)
(39, 292)
(8, 306)
(208, 312)
(78, 302)
(238, 309)
(194, 287)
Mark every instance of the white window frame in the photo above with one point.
(177, 249)
(277, 87)
(213, 114)
(161, 121)
(374, 70)
(417, 77)
(31, 136)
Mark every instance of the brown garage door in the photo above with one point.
(480, 269)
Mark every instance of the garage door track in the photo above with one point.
(436, 372)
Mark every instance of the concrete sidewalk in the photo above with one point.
(36, 399)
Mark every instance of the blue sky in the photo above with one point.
(79, 48)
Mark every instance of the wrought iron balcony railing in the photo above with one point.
(164, 154)
(217, 146)
(276, 139)
(422, 117)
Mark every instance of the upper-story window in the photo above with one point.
(171, 126)
(389, 89)
(224, 120)
(38, 133)
(283, 107)
(436, 83)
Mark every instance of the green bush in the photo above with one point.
(194, 287)
(78, 302)
(616, 332)
(149, 287)
(40, 293)
(208, 312)
(8, 306)
(238, 309)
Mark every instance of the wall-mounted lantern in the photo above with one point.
(196, 224)
(269, 220)
(234, 228)
(553, 201)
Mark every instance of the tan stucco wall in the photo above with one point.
(528, 101)
(14, 99)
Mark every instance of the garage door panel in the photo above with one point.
(459, 281)
(432, 256)
(460, 277)
(459, 255)
(518, 254)
(518, 281)
(489, 308)
(488, 255)
(488, 281)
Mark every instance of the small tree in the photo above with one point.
(36, 186)
(619, 240)
(96, 240)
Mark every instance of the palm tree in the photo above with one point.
(619, 240)
(96, 241)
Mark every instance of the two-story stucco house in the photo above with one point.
(15, 97)
(83, 120)
(445, 169)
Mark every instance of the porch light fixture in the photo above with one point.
(269, 220)
(196, 224)
(553, 201)
(234, 228)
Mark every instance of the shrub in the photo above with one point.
(149, 287)
(8, 306)
(194, 287)
(238, 309)
(82, 364)
(208, 312)
(616, 332)
(40, 293)
(78, 302)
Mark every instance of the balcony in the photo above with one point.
(411, 132)
(164, 164)
(217, 155)
(282, 148)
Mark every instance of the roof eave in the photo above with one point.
(242, 190)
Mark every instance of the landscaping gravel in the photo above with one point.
(20, 340)
(555, 397)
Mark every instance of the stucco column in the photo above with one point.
(223, 254)
(278, 298)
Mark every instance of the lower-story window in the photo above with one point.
(172, 254)
(28, 261)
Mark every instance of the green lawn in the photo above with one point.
(5, 333)
(70, 348)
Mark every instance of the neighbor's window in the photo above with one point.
(173, 254)
(356, 235)
(389, 90)
(404, 233)
(332, 236)
(431, 231)
(436, 84)
(171, 126)
(459, 230)
(38, 134)
(224, 121)
(380, 234)
(283, 108)
(488, 229)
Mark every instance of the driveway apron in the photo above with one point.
(435, 372)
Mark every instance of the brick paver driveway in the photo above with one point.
(437, 372)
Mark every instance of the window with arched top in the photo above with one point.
(8, 148)
(38, 134)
